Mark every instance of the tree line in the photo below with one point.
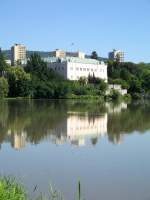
(36, 80)
(133, 77)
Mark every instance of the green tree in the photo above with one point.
(94, 55)
(135, 86)
(146, 80)
(3, 87)
(83, 80)
(115, 95)
(3, 64)
(36, 66)
(102, 85)
(39, 69)
(125, 74)
(19, 82)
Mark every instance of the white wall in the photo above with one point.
(73, 71)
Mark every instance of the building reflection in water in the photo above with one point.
(116, 108)
(76, 127)
(113, 112)
(18, 140)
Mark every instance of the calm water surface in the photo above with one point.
(106, 146)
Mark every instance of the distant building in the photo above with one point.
(75, 65)
(78, 54)
(116, 87)
(18, 54)
(116, 55)
(58, 53)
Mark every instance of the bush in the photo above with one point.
(115, 95)
(19, 82)
(3, 88)
(127, 97)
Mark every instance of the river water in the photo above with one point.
(106, 146)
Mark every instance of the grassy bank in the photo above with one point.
(10, 189)
(112, 98)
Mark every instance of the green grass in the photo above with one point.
(10, 189)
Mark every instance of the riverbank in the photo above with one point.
(11, 189)
(109, 98)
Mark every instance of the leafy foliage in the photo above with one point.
(11, 190)
(114, 94)
(3, 64)
(3, 87)
(19, 82)
(94, 55)
(134, 77)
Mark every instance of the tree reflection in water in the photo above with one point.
(62, 121)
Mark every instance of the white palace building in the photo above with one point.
(74, 65)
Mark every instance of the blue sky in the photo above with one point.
(100, 25)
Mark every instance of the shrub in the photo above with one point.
(19, 82)
(3, 88)
(115, 95)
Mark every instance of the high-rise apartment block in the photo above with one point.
(58, 53)
(116, 55)
(18, 54)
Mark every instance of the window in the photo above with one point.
(80, 69)
(77, 68)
